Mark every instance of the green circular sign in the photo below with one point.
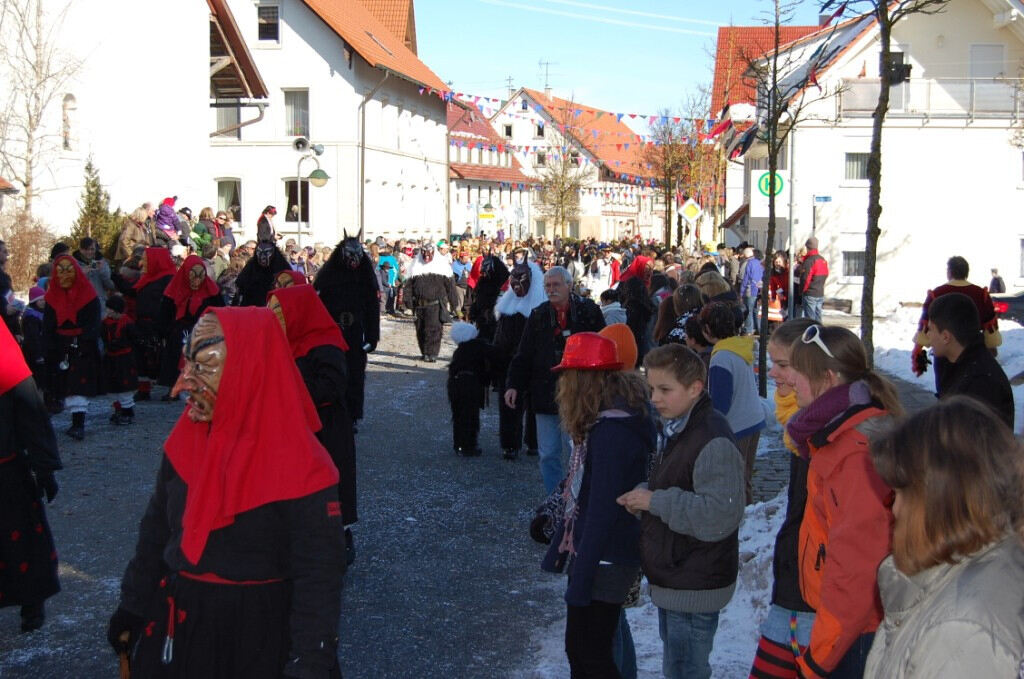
(764, 184)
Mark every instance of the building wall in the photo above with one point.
(512, 208)
(139, 109)
(405, 162)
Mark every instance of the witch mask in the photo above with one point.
(205, 354)
(65, 274)
(195, 276)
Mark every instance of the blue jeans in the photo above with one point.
(687, 639)
(812, 307)
(750, 322)
(551, 438)
(623, 649)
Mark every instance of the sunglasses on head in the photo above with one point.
(812, 335)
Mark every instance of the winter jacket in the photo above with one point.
(786, 559)
(753, 276)
(952, 620)
(981, 299)
(541, 346)
(167, 220)
(813, 273)
(977, 373)
(618, 449)
(132, 234)
(98, 273)
(690, 544)
(845, 534)
(613, 313)
(731, 385)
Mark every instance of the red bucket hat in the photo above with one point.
(589, 351)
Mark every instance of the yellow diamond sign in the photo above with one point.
(691, 211)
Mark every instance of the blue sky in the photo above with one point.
(622, 56)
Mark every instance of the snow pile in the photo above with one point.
(738, 624)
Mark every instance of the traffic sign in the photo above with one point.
(764, 183)
(823, 199)
(691, 211)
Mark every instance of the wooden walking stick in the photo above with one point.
(124, 662)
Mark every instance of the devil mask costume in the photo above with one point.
(256, 278)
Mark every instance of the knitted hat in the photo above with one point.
(35, 293)
(589, 351)
(170, 201)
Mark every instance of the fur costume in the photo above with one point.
(493, 276)
(468, 375)
(430, 295)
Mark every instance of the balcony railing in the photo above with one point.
(937, 97)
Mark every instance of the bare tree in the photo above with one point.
(563, 175)
(783, 80)
(668, 161)
(888, 14)
(37, 71)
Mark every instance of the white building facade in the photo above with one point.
(952, 181)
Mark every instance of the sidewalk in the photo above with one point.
(771, 468)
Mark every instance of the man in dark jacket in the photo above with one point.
(540, 349)
(955, 334)
(813, 274)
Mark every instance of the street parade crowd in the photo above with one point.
(626, 369)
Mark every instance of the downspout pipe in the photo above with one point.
(362, 154)
(238, 126)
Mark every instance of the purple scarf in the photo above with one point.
(826, 408)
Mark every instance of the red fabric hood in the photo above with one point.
(185, 298)
(158, 265)
(307, 320)
(246, 457)
(67, 303)
(13, 369)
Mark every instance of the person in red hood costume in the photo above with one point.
(237, 572)
(289, 278)
(28, 460)
(190, 293)
(71, 329)
(157, 272)
(319, 351)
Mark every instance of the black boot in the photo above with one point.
(32, 616)
(350, 547)
(510, 454)
(77, 430)
(125, 416)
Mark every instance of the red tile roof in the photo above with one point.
(471, 125)
(736, 46)
(601, 133)
(488, 173)
(6, 187)
(398, 16)
(373, 41)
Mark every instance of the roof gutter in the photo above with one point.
(362, 153)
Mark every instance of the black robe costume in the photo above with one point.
(149, 342)
(494, 275)
(511, 432)
(119, 371)
(350, 296)
(74, 344)
(173, 331)
(27, 446)
(255, 281)
(324, 370)
(468, 377)
(430, 295)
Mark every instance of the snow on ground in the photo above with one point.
(738, 625)
(894, 340)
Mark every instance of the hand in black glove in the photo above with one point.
(371, 347)
(46, 484)
(540, 529)
(123, 621)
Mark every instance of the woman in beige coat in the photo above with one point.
(134, 232)
(953, 588)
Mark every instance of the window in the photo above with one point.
(268, 18)
(296, 113)
(229, 116)
(574, 228)
(540, 130)
(542, 159)
(541, 228)
(857, 166)
(68, 113)
(853, 263)
(508, 132)
(291, 190)
(229, 197)
(524, 104)
(574, 158)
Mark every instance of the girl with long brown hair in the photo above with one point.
(604, 410)
(845, 533)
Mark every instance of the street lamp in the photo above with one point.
(317, 178)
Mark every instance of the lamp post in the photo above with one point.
(317, 178)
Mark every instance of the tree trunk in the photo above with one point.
(668, 215)
(867, 304)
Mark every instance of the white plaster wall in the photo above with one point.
(406, 166)
(141, 96)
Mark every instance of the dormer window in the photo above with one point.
(268, 18)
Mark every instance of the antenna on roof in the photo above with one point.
(511, 90)
(546, 65)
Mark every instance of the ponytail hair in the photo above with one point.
(849, 361)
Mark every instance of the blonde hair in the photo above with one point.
(206, 213)
(712, 284)
(139, 215)
(582, 394)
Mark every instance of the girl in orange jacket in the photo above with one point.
(847, 526)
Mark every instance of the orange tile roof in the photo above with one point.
(6, 187)
(471, 125)
(488, 173)
(601, 133)
(373, 41)
(736, 46)
(398, 16)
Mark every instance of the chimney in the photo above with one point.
(547, 92)
(823, 19)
